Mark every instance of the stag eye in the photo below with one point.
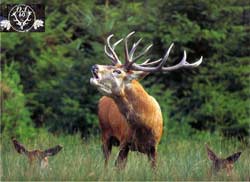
(117, 71)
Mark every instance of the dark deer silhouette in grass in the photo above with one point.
(37, 155)
(219, 164)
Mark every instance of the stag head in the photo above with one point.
(111, 80)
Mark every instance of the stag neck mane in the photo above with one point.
(136, 104)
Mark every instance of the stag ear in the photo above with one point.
(136, 75)
(211, 154)
(233, 158)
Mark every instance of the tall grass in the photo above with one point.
(81, 159)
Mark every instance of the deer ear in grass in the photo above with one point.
(18, 146)
(211, 154)
(233, 158)
(52, 151)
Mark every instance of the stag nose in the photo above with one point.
(94, 68)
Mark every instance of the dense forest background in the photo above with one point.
(45, 76)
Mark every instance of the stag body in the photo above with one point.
(133, 119)
(128, 115)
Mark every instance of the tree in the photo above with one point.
(15, 117)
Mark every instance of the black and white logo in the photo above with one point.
(23, 18)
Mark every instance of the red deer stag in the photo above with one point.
(128, 116)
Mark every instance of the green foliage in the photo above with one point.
(54, 65)
(217, 97)
(15, 117)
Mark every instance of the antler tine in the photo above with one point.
(109, 55)
(161, 60)
(133, 60)
(129, 60)
(183, 64)
(131, 53)
(146, 63)
(127, 57)
(142, 54)
(165, 58)
(116, 43)
(114, 58)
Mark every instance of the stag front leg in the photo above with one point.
(106, 148)
(152, 155)
(122, 157)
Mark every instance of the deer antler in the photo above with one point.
(111, 50)
(130, 62)
(145, 66)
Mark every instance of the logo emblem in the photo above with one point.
(23, 18)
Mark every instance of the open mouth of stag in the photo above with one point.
(95, 73)
(95, 77)
(98, 82)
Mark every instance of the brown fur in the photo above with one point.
(36, 155)
(219, 164)
(133, 121)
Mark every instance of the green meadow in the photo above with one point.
(82, 159)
